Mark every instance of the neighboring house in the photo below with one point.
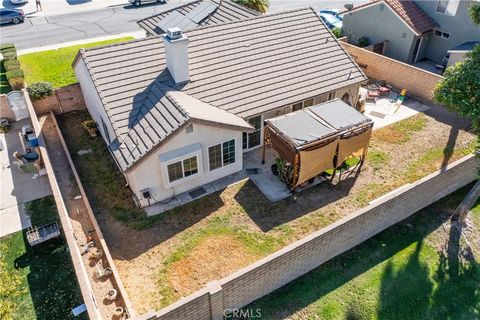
(212, 12)
(415, 30)
(178, 111)
(457, 54)
(455, 27)
(402, 23)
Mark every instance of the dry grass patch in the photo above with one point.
(171, 255)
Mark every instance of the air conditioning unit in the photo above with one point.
(174, 33)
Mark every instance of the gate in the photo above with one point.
(18, 105)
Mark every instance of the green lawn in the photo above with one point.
(55, 65)
(398, 274)
(47, 288)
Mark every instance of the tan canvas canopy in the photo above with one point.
(319, 137)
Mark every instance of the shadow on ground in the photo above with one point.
(414, 289)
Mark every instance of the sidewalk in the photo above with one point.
(56, 7)
(136, 34)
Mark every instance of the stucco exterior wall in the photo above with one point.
(92, 100)
(378, 23)
(151, 173)
(460, 27)
(456, 57)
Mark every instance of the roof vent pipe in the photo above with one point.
(176, 54)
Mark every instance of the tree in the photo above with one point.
(460, 92)
(474, 12)
(257, 5)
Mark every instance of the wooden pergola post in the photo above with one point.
(295, 170)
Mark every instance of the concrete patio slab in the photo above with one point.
(383, 112)
(16, 188)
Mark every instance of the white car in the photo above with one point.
(18, 1)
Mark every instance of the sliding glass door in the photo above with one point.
(253, 139)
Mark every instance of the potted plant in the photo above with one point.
(91, 127)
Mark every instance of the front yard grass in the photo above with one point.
(181, 250)
(47, 286)
(55, 65)
(402, 273)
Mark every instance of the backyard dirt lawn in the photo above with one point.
(169, 256)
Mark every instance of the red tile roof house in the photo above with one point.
(178, 111)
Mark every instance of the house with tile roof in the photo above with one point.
(412, 30)
(217, 12)
(179, 110)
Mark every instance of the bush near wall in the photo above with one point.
(39, 90)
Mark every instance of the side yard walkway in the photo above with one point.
(83, 228)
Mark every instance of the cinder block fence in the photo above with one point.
(298, 258)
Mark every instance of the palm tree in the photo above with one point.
(257, 5)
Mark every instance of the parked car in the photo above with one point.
(18, 1)
(14, 16)
(138, 3)
(331, 18)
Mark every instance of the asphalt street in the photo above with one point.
(43, 30)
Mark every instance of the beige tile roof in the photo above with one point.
(246, 67)
(226, 12)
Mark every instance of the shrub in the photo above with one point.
(89, 124)
(5, 46)
(7, 56)
(7, 50)
(14, 74)
(337, 32)
(39, 90)
(363, 42)
(11, 65)
(17, 83)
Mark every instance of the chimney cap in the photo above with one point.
(174, 33)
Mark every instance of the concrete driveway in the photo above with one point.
(16, 188)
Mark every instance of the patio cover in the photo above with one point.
(320, 132)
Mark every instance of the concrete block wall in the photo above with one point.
(418, 82)
(298, 258)
(64, 99)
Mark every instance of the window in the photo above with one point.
(105, 130)
(442, 6)
(251, 140)
(215, 156)
(297, 106)
(221, 154)
(442, 34)
(331, 95)
(189, 129)
(228, 152)
(182, 169)
(308, 103)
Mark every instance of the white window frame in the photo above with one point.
(303, 104)
(436, 8)
(165, 165)
(442, 34)
(221, 154)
